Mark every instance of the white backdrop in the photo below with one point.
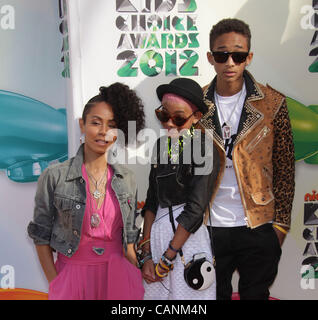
(281, 48)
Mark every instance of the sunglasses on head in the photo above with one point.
(223, 56)
(164, 116)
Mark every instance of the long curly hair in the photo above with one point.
(126, 106)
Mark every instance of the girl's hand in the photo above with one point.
(148, 272)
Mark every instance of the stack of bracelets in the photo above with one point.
(164, 263)
(143, 256)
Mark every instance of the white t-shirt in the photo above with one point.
(227, 209)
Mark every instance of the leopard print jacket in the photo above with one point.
(263, 153)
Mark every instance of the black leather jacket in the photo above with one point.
(189, 181)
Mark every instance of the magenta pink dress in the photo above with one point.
(89, 276)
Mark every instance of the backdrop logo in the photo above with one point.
(157, 36)
(7, 17)
(309, 269)
(310, 21)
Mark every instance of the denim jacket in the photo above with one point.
(60, 205)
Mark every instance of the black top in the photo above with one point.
(187, 176)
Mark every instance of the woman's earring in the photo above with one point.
(82, 139)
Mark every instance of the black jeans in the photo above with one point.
(255, 253)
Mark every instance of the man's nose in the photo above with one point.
(230, 61)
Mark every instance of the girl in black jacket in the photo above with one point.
(182, 177)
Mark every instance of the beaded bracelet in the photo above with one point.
(142, 242)
(164, 264)
(172, 248)
(142, 259)
(167, 261)
(146, 258)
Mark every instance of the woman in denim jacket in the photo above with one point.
(85, 208)
(180, 188)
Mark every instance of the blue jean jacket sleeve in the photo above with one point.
(132, 230)
(40, 228)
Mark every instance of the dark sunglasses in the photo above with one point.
(164, 116)
(223, 56)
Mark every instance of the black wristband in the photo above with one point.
(173, 249)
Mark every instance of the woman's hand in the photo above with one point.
(51, 278)
(131, 254)
(47, 262)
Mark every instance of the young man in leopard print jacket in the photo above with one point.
(252, 201)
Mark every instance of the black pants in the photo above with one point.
(255, 253)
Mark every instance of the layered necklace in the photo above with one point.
(97, 194)
(227, 125)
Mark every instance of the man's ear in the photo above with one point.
(210, 58)
(249, 58)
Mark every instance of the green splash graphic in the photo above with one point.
(304, 122)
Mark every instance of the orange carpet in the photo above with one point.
(22, 294)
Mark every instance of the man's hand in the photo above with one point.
(280, 235)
